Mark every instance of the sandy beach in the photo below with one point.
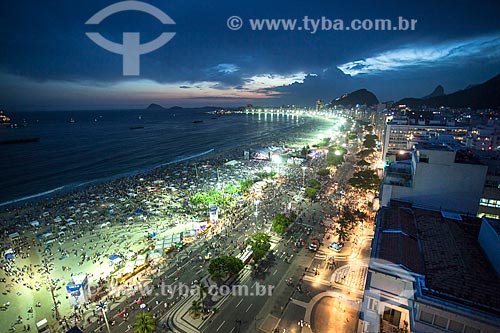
(57, 238)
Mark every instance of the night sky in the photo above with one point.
(47, 61)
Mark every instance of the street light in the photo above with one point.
(303, 175)
(102, 306)
(220, 185)
(51, 288)
(276, 159)
(196, 171)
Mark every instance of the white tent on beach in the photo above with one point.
(141, 259)
(129, 267)
(155, 254)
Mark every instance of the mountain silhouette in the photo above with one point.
(438, 91)
(361, 97)
(479, 96)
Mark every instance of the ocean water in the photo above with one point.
(100, 145)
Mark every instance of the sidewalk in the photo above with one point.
(310, 307)
(270, 315)
(179, 320)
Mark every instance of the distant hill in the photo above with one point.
(154, 106)
(479, 96)
(199, 109)
(361, 97)
(438, 91)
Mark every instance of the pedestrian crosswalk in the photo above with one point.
(275, 239)
(320, 255)
(274, 242)
(351, 276)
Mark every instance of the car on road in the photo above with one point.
(314, 245)
(336, 246)
(208, 256)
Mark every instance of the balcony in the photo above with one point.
(398, 174)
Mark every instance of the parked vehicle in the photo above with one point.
(336, 246)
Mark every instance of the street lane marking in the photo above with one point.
(232, 330)
(276, 271)
(249, 307)
(221, 325)
(241, 300)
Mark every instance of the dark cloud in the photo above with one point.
(45, 42)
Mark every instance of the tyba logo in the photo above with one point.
(131, 49)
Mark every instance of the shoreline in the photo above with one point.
(113, 218)
(67, 190)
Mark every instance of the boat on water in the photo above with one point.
(72, 120)
(4, 120)
(15, 141)
(197, 121)
(136, 127)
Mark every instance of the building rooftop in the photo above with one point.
(495, 224)
(398, 242)
(400, 218)
(425, 145)
(398, 173)
(446, 251)
(402, 250)
(456, 267)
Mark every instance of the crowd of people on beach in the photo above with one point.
(58, 238)
(63, 236)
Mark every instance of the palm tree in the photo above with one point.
(102, 306)
(348, 216)
(342, 229)
(360, 215)
(342, 234)
(203, 291)
(144, 323)
(195, 309)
